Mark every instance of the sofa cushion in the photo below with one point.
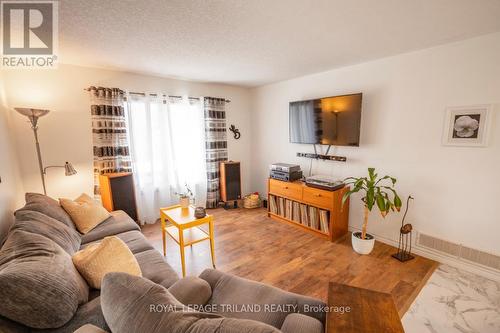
(48, 288)
(118, 222)
(85, 212)
(191, 290)
(9, 326)
(299, 323)
(230, 289)
(109, 255)
(37, 223)
(134, 304)
(88, 313)
(154, 268)
(48, 206)
(134, 239)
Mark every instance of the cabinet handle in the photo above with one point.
(318, 195)
(286, 187)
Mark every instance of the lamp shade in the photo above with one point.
(32, 114)
(69, 170)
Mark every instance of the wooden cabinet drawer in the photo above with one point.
(317, 197)
(286, 189)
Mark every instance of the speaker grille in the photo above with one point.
(232, 184)
(123, 195)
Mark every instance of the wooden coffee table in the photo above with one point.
(364, 311)
(185, 230)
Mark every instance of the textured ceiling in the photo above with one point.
(254, 42)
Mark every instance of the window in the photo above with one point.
(167, 142)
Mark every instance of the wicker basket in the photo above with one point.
(251, 201)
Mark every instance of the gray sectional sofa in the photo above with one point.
(41, 291)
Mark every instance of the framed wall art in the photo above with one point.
(467, 125)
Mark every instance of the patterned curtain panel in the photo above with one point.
(216, 145)
(109, 133)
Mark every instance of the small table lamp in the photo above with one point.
(33, 115)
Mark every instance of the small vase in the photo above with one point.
(362, 246)
(184, 202)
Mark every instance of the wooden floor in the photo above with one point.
(251, 245)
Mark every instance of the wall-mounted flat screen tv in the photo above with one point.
(329, 121)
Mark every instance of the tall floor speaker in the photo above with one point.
(230, 182)
(117, 193)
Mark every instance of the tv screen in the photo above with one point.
(328, 121)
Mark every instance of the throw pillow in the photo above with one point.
(48, 206)
(89, 328)
(110, 255)
(191, 290)
(133, 304)
(85, 212)
(84, 197)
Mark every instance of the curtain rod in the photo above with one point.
(174, 96)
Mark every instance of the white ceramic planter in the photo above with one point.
(362, 246)
(184, 202)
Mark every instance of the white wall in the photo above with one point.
(11, 190)
(65, 134)
(456, 189)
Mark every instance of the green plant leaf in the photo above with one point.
(387, 206)
(375, 193)
(347, 195)
(371, 174)
(350, 178)
(370, 198)
(397, 201)
(380, 202)
(393, 180)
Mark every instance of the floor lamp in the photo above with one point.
(33, 115)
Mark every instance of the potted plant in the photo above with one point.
(185, 197)
(376, 193)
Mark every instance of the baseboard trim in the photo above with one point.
(441, 257)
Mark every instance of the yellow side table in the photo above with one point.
(185, 230)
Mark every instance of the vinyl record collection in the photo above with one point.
(309, 216)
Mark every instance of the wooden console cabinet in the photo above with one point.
(312, 198)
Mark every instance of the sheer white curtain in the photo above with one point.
(167, 142)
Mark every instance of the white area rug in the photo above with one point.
(455, 301)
